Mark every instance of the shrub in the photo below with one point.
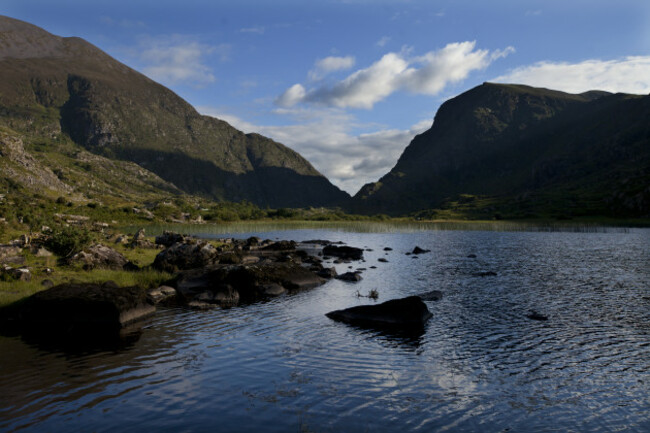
(68, 241)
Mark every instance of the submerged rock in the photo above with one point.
(534, 315)
(406, 312)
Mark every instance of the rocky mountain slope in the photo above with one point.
(72, 106)
(517, 151)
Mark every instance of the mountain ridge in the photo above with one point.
(75, 89)
(503, 142)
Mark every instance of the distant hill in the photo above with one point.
(97, 125)
(503, 150)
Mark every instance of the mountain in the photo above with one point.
(65, 98)
(502, 150)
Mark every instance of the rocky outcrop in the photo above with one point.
(99, 256)
(227, 285)
(343, 252)
(167, 239)
(186, 256)
(408, 312)
(78, 308)
(351, 277)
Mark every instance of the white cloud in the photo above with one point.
(628, 75)
(383, 41)
(326, 138)
(427, 74)
(323, 67)
(258, 30)
(176, 59)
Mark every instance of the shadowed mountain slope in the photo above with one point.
(518, 151)
(54, 89)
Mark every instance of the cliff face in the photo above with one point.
(52, 87)
(530, 151)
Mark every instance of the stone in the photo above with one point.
(48, 284)
(471, 256)
(388, 249)
(250, 282)
(99, 256)
(418, 250)
(273, 289)
(41, 252)
(327, 273)
(534, 315)
(352, 277)
(162, 294)
(16, 274)
(343, 252)
(168, 239)
(408, 312)
(7, 251)
(79, 308)
(486, 274)
(383, 260)
(186, 256)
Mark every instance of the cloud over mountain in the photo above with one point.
(427, 74)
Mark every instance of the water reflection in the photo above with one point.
(280, 366)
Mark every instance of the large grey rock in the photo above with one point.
(99, 256)
(397, 313)
(71, 308)
(231, 284)
(168, 238)
(186, 256)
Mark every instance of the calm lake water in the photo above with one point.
(282, 366)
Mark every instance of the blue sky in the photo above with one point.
(349, 83)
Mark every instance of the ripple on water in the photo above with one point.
(283, 366)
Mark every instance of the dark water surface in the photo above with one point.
(282, 366)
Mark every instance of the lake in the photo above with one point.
(282, 366)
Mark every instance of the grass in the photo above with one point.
(13, 291)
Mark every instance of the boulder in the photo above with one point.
(343, 252)
(78, 308)
(408, 312)
(249, 282)
(15, 274)
(99, 256)
(327, 272)
(383, 260)
(280, 246)
(162, 294)
(352, 277)
(168, 239)
(388, 249)
(418, 250)
(140, 240)
(186, 256)
(8, 252)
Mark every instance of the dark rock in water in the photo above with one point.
(434, 295)
(162, 294)
(383, 260)
(327, 273)
(418, 250)
(471, 256)
(534, 315)
(406, 312)
(78, 308)
(99, 256)
(486, 274)
(349, 276)
(250, 282)
(343, 252)
(186, 256)
(373, 267)
(280, 246)
(388, 249)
